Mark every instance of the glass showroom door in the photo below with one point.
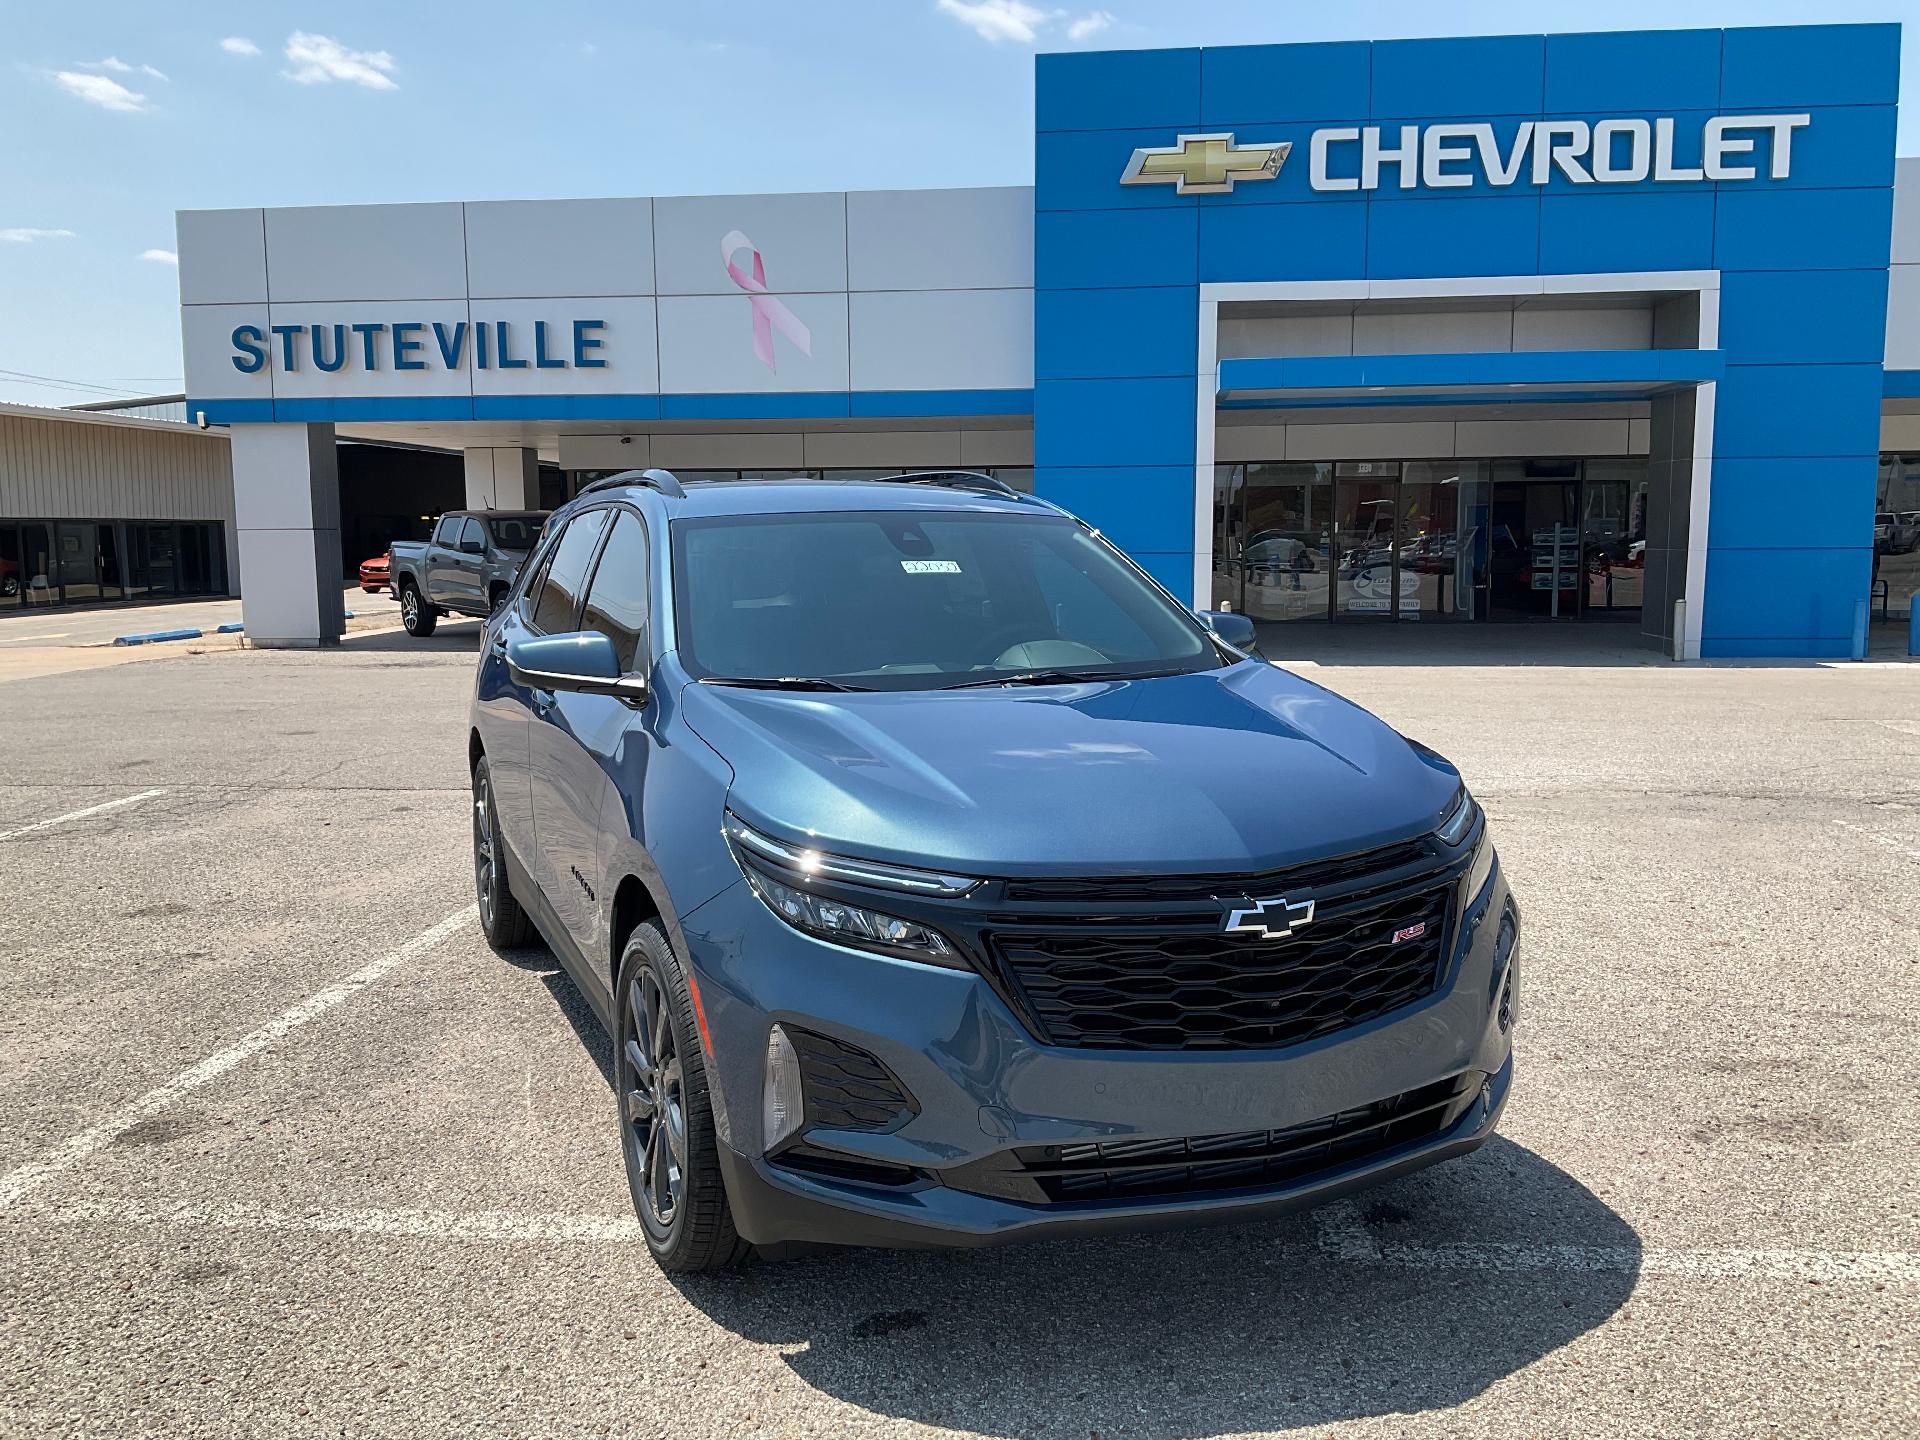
(1287, 527)
(1442, 513)
(1366, 573)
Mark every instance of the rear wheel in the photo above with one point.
(504, 923)
(415, 613)
(666, 1118)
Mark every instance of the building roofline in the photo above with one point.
(89, 417)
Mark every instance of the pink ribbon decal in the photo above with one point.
(768, 313)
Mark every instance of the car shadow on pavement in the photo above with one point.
(452, 636)
(1197, 1332)
(539, 961)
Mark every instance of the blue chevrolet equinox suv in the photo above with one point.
(942, 880)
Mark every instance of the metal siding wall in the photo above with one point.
(69, 469)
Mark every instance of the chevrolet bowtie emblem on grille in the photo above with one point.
(1205, 164)
(1270, 919)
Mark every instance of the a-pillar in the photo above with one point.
(286, 500)
(503, 479)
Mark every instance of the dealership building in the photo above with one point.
(1571, 329)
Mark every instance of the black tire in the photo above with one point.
(505, 924)
(666, 1119)
(415, 613)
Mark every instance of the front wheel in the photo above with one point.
(415, 613)
(666, 1118)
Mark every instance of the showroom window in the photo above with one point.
(48, 563)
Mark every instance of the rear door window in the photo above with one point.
(447, 532)
(559, 598)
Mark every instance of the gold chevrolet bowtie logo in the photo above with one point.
(1205, 164)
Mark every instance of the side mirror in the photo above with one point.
(472, 547)
(1235, 630)
(580, 660)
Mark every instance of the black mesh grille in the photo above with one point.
(1257, 1158)
(848, 1089)
(1193, 989)
(1126, 888)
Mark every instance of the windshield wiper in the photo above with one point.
(1043, 677)
(782, 682)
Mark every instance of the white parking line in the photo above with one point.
(23, 639)
(416, 1224)
(1344, 1234)
(1885, 842)
(80, 814)
(29, 1176)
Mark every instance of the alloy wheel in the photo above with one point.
(653, 1104)
(485, 874)
(410, 605)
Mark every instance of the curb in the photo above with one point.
(156, 637)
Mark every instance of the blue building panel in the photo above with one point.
(1764, 411)
(1268, 84)
(1095, 334)
(1624, 72)
(1080, 423)
(1829, 317)
(1140, 508)
(1788, 598)
(1495, 236)
(1606, 231)
(1778, 229)
(1283, 242)
(1117, 89)
(1820, 502)
(1472, 77)
(1794, 66)
(1087, 249)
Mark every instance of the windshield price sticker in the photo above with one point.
(931, 567)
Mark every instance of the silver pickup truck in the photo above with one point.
(465, 568)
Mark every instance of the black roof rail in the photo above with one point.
(958, 479)
(665, 481)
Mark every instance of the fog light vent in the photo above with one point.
(783, 1099)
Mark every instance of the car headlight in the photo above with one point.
(783, 876)
(1456, 827)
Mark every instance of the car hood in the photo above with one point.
(1242, 768)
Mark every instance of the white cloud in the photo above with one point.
(100, 90)
(121, 67)
(26, 235)
(1089, 25)
(239, 45)
(320, 60)
(1024, 24)
(997, 20)
(160, 257)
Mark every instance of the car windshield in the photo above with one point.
(516, 532)
(919, 600)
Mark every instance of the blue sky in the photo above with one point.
(118, 114)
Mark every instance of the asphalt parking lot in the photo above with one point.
(284, 1148)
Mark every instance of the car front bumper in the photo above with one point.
(985, 1088)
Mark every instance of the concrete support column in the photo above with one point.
(503, 479)
(286, 494)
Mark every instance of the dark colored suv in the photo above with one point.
(942, 880)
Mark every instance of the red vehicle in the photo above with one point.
(376, 574)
